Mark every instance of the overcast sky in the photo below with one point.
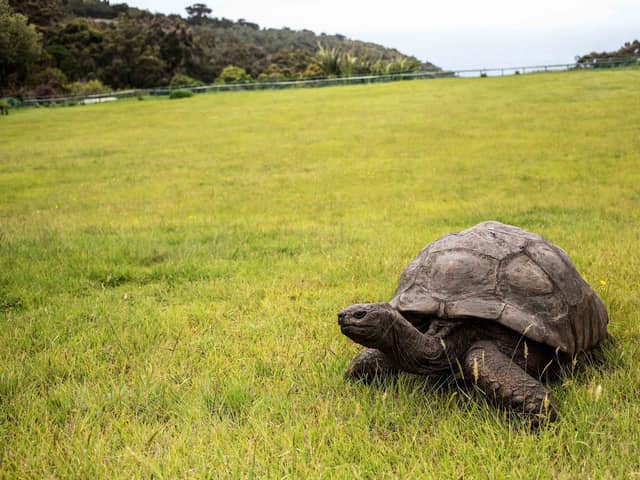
(450, 33)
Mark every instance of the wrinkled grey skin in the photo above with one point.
(494, 305)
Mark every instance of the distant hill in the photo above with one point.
(92, 44)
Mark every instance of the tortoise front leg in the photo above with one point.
(371, 364)
(505, 383)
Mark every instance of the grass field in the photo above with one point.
(170, 273)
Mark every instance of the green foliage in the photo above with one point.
(132, 57)
(168, 301)
(281, 53)
(313, 70)
(329, 60)
(272, 75)
(77, 48)
(91, 87)
(94, 8)
(290, 63)
(627, 55)
(198, 12)
(125, 47)
(176, 94)
(19, 46)
(287, 65)
(5, 106)
(347, 64)
(233, 74)
(182, 80)
(48, 82)
(402, 65)
(39, 12)
(334, 62)
(378, 68)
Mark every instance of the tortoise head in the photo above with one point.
(367, 323)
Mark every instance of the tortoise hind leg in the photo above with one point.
(371, 364)
(505, 383)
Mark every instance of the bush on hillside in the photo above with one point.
(175, 94)
(182, 80)
(313, 70)
(48, 82)
(233, 74)
(92, 87)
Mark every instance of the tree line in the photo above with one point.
(53, 47)
(628, 54)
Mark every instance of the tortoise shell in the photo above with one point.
(501, 273)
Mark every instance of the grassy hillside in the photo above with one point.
(170, 273)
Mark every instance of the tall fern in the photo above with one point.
(329, 60)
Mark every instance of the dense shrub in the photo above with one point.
(92, 87)
(181, 80)
(48, 82)
(175, 94)
(4, 110)
(313, 70)
(233, 74)
(19, 46)
(272, 77)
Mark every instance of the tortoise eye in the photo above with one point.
(359, 314)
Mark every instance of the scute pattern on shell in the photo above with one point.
(502, 273)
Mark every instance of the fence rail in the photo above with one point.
(612, 62)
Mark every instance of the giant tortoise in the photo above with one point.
(494, 305)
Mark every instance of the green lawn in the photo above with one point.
(170, 274)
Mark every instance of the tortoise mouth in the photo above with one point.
(354, 332)
(344, 320)
(351, 329)
(354, 328)
(351, 326)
